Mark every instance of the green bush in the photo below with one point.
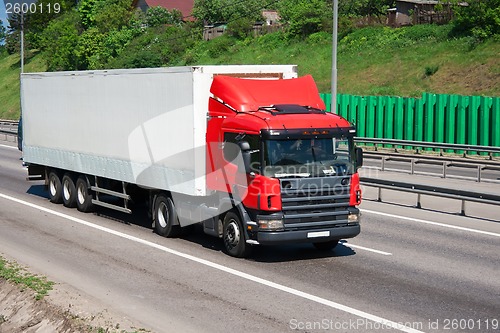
(162, 46)
(376, 37)
(320, 38)
(421, 32)
(59, 42)
(241, 28)
(430, 70)
(272, 40)
(157, 16)
(480, 19)
(219, 46)
(305, 17)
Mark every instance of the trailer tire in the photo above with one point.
(68, 191)
(55, 188)
(326, 246)
(164, 217)
(83, 195)
(234, 236)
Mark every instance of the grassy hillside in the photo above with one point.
(382, 61)
(9, 82)
(371, 61)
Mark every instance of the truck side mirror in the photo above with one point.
(245, 154)
(20, 134)
(359, 157)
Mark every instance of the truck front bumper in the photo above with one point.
(308, 236)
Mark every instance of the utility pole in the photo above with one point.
(334, 56)
(20, 137)
(22, 42)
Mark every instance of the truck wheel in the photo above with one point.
(83, 195)
(55, 188)
(326, 246)
(164, 217)
(68, 191)
(234, 236)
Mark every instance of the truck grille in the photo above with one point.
(310, 203)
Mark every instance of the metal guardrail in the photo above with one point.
(397, 186)
(435, 145)
(419, 189)
(444, 163)
(8, 129)
(403, 143)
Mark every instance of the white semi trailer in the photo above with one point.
(164, 136)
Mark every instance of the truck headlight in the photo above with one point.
(353, 218)
(271, 225)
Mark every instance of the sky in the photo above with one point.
(3, 15)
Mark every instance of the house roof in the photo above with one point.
(185, 6)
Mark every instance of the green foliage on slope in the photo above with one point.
(459, 58)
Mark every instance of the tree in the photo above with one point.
(2, 32)
(86, 11)
(480, 18)
(13, 35)
(159, 46)
(156, 16)
(351, 8)
(90, 43)
(106, 15)
(34, 23)
(112, 14)
(241, 28)
(59, 42)
(217, 11)
(305, 17)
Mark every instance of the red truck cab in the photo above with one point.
(288, 166)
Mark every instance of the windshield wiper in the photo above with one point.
(314, 156)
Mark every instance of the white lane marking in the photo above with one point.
(341, 307)
(365, 248)
(5, 146)
(431, 222)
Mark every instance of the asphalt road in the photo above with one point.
(430, 271)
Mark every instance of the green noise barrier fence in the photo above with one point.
(471, 120)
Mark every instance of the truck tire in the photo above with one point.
(83, 195)
(55, 188)
(326, 246)
(68, 191)
(164, 217)
(234, 236)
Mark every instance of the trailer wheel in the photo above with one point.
(234, 236)
(68, 191)
(326, 246)
(164, 217)
(83, 195)
(55, 188)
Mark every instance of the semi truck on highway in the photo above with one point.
(248, 152)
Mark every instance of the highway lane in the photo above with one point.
(428, 274)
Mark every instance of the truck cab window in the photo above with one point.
(231, 148)
(307, 157)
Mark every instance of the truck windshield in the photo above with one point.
(308, 157)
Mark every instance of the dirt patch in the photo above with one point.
(60, 311)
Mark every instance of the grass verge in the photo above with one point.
(12, 272)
